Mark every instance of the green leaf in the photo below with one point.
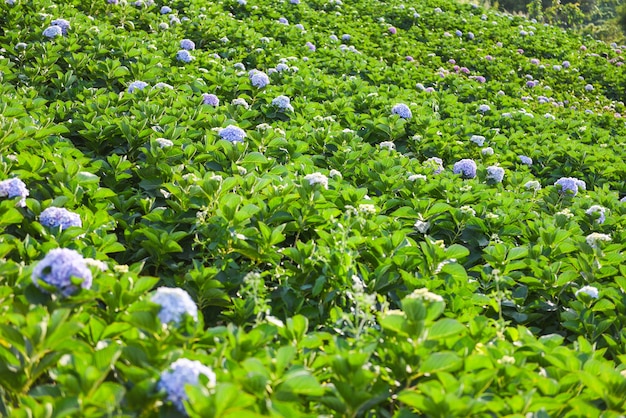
(301, 382)
(446, 327)
(439, 362)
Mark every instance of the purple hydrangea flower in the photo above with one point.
(233, 133)
(402, 110)
(283, 103)
(52, 32)
(310, 46)
(259, 79)
(63, 24)
(184, 56)
(466, 167)
(525, 160)
(175, 303)
(570, 185)
(392, 30)
(345, 37)
(58, 268)
(588, 87)
(181, 373)
(458, 33)
(137, 85)
(409, 58)
(283, 21)
(54, 217)
(470, 36)
(14, 188)
(187, 44)
(210, 99)
(495, 173)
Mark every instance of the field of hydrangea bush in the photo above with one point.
(308, 208)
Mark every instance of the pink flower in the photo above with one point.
(392, 30)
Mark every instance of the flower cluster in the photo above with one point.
(175, 303)
(181, 373)
(495, 173)
(259, 79)
(570, 185)
(478, 140)
(435, 163)
(466, 167)
(595, 238)
(54, 217)
(164, 142)
(597, 212)
(317, 178)
(210, 99)
(59, 267)
(233, 133)
(283, 103)
(14, 188)
(533, 185)
(63, 24)
(137, 85)
(184, 56)
(589, 291)
(52, 32)
(387, 145)
(525, 160)
(402, 110)
(187, 44)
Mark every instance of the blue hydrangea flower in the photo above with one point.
(570, 185)
(233, 133)
(137, 85)
(589, 87)
(402, 110)
(283, 103)
(187, 44)
(458, 33)
(14, 188)
(525, 160)
(175, 303)
(63, 24)
(466, 167)
(283, 21)
(54, 217)
(311, 46)
(165, 10)
(184, 56)
(495, 173)
(58, 268)
(181, 373)
(259, 79)
(52, 32)
(597, 211)
(483, 108)
(282, 67)
(210, 99)
(345, 37)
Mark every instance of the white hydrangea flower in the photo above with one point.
(317, 178)
(589, 290)
(426, 295)
(595, 238)
(387, 145)
(163, 142)
(422, 226)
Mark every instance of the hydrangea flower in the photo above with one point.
(137, 85)
(52, 32)
(525, 160)
(421, 226)
(163, 142)
(570, 185)
(233, 133)
(165, 10)
(58, 268)
(317, 178)
(54, 217)
(402, 110)
(184, 56)
(20, 45)
(259, 79)
(588, 87)
(187, 44)
(588, 290)
(345, 37)
(283, 103)
(392, 30)
(533, 185)
(283, 21)
(495, 173)
(181, 373)
(597, 211)
(210, 99)
(14, 188)
(240, 102)
(282, 67)
(595, 238)
(478, 140)
(487, 151)
(310, 46)
(435, 163)
(63, 24)
(466, 167)
(387, 145)
(483, 108)
(175, 303)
